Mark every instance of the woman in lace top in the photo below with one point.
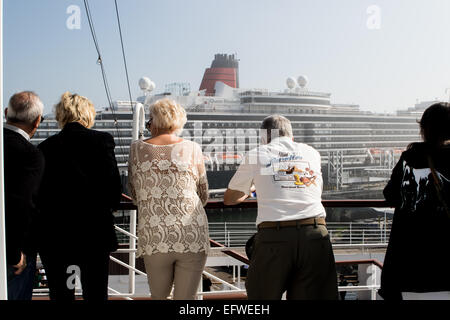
(167, 181)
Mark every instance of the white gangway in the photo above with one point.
(3, 274)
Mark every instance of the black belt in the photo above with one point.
(292, 223)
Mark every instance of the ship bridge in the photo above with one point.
(264, 101)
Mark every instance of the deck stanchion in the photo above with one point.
(132, 254)
(138, 133)
(200, 289)
(373, 283)
(238, 276)
(138, 122)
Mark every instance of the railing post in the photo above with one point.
(132, 254)
(239, 276)
(200, 289)
(225, 234)
(350, 233)
(138, 122)
(234, 274)
(373, 293)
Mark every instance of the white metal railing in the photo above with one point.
(236, 234)
(131, 266)
(372, 282)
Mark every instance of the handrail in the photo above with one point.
(127, 204)
(367, 261)
(357, 203)
(231, 253)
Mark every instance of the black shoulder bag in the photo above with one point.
(437, 184)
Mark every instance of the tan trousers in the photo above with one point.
(182, 270)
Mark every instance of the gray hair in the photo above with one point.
(277, 126)
(24, 107)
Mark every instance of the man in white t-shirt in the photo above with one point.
(292, 250)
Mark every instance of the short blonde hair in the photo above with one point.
(167, 115)
(75, 108)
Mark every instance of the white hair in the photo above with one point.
(24, 107)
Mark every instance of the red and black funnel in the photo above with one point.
(224, 68)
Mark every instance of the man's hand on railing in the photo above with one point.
(234, 197)
(21, 265)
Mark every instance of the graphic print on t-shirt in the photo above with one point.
(297, 173)
(417, 185)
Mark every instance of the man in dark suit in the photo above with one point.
(23, 166)
(80, 188)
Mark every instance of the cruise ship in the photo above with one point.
(358, 148)
(358, 151)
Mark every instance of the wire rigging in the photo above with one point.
(103, 71)
(123, 54)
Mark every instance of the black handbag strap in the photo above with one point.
(438, 186)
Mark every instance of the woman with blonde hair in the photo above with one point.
(167, 180)
(80, 188)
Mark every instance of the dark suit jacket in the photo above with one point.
(80, 188)
(23, 166)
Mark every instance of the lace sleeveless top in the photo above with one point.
(168, 184)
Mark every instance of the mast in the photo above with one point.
(3, 272)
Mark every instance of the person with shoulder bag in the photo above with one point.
(417, 264)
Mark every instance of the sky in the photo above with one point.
(384, 55)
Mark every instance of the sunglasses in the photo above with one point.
(149, 123)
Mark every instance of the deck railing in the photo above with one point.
(236, 234)
(235, 291)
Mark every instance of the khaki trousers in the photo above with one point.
(181, 270)
(297, 260)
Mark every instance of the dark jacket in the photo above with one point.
(80, 188)
(23, 167)
(417, 258)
